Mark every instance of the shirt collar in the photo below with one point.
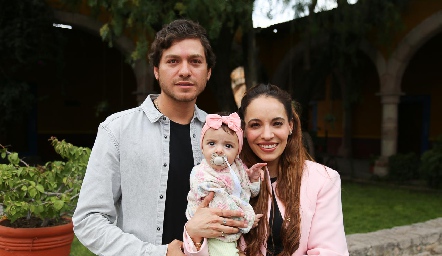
(154, 115)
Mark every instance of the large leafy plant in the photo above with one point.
(431, 167)
(46, 192)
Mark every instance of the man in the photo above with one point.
(133, 198)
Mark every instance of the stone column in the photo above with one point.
(389, 124)
(389, 133)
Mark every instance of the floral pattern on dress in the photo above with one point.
(204, 179)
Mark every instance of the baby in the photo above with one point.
(222, 172)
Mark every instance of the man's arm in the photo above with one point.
(95, 215)
(175, 248)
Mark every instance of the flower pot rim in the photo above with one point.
(32, 232)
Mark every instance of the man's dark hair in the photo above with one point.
(176, 31)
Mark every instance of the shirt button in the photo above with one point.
(161, 196)
(164, 164)
(165, 136)
(158, 228)
(194, 135)
(164, 118)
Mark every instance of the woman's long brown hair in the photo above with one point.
(290, 169)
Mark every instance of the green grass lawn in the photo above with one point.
(77, 249)
(369, 207)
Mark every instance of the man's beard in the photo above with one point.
(188, 97)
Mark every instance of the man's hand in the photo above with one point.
(255, 172)
(175, 248)
(211, 223)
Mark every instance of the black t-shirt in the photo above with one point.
(180, 166)
(274, 241)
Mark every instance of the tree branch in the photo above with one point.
(7, 152)
(57, 194)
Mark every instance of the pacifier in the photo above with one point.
(218, 160)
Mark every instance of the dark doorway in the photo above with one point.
(413, 124)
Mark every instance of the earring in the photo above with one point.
(290, 133)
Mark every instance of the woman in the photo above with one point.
(302, 199)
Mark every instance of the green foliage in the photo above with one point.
(27, 40)
(431, 166)
(141, 19)
(46, 192)
(403, 167)
(26, 33)
(348, 24)
(16, 99)
(335, 39)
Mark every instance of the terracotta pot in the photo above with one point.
(47, 241)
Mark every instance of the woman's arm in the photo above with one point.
(327, 236)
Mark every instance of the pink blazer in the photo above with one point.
(322, 226)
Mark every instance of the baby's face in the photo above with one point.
(221, 143)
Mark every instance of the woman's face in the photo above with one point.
(267, 128)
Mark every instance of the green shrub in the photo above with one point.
(403, 167)
(46, 192)
(431, 164)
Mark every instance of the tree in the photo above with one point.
(338, 34)
(27, 40)
(141, 19)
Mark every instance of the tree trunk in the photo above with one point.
(220, 81)
(307, 35)
(250, 60)
(346, 146)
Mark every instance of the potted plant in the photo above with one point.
(39, 200)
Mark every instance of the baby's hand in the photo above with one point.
(257, 218)
(255, 172)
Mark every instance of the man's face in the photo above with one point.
(182, 72)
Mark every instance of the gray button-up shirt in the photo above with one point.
(120, 210)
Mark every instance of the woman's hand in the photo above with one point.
(212, 222)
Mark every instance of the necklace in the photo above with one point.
(271, 251)
(155, 102)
